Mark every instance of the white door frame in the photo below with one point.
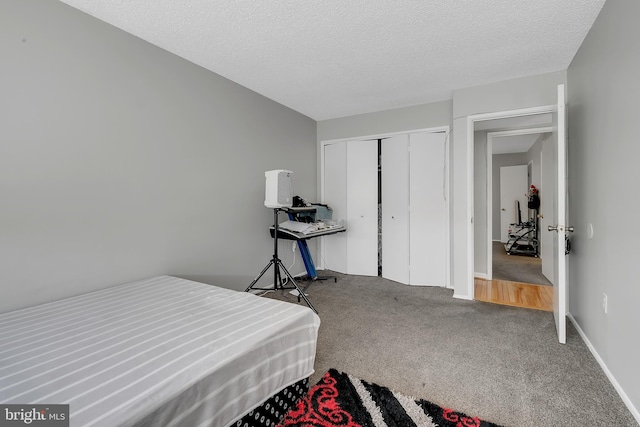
(471, 120)
(447, 160)
(490, 138)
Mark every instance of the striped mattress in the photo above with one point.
(158, 352)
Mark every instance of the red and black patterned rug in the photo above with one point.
(342, 400)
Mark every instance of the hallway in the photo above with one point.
(517, 268)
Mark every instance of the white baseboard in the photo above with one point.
(481, 276)
(606, 370)
(467, 297)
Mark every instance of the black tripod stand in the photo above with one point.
(277, 265)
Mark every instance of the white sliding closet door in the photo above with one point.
(362, 207)
(414, 224)
(428, 209)
(351, 190)
(334, 247)
(395, 208)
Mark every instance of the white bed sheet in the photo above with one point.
(160, 352)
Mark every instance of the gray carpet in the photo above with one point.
(516, 268)
(500, 363)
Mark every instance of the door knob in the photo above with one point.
(560, 228)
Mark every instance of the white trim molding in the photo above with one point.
(470, 123)
(634, 411)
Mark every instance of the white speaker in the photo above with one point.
(278, 189)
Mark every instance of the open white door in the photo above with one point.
(547, 197)
(559, 140)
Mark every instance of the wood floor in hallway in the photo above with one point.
(516, 294)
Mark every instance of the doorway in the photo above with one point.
(507, 255)
(554, 222)
(514, 229)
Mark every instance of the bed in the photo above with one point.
(158, 352)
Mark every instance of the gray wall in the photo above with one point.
(119, 161)
(402, 119)
(531, 91)
(533, 155)
(603, 95)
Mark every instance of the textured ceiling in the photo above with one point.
(335, 58)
